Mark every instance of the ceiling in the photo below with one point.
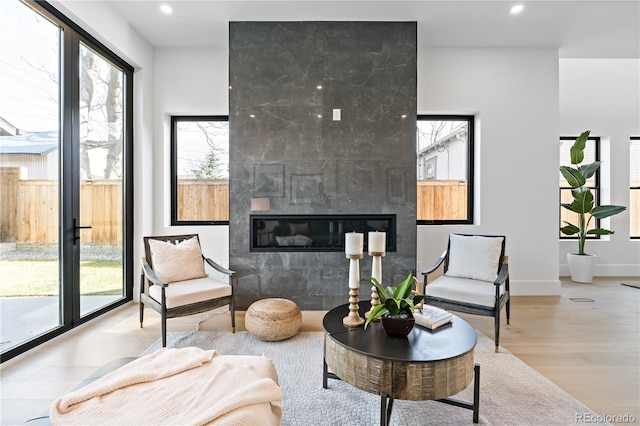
(579, 29)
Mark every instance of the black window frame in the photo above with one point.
(595, 190)
(633, 188)
(470, 119)
(71, 36)
(175, 119)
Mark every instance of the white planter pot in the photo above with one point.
(581, 267)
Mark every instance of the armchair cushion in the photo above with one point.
(475, 257)
(182, 293)
(463, 290)
(177, 262)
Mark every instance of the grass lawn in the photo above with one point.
(41, 277)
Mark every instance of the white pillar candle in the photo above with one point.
(354, 273)
(377, 242)
(376, 268)
(353, 243)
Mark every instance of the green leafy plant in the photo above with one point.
(394, 300)
(583, 202)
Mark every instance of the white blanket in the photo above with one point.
(187, 386)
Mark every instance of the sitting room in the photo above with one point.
(287, 156)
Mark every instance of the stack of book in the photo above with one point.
(431, 317)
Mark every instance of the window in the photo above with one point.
(634, 187)
(200, 170)
(591, 154)
(445, 169)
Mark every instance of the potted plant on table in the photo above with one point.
(581, 264)
(396, 306)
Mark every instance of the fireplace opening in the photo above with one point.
(316, 232)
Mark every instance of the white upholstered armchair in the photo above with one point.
(475, 278)
(174, 282)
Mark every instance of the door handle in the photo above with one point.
(76, 229)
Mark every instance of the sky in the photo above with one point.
(28, 55)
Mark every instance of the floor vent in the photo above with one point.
(581, 299)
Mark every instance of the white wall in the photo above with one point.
(188, 82)
(603, 95)
(514, 94)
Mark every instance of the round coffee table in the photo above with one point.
(425, 365)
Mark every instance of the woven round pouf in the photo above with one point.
(273, 319)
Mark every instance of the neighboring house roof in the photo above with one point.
(7, 129)
(445, 140)
(39, 143)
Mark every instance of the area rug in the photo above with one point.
(511, 392)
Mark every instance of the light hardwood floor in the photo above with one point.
(591, 349)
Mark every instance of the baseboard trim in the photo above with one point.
(608, 270)
(535, 288)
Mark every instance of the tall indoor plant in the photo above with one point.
(581, 264)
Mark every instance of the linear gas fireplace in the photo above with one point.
(316, 232)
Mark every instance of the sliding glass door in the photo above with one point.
(65, 165)
(30, 146)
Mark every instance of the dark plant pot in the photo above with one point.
(397, 326)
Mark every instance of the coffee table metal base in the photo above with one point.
(386, 403)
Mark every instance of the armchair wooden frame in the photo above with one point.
(149, 278)
(501, 300)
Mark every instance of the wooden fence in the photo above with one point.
(634, 212)
(9, 178)
(442, 199)
(203, 199)
(29, 211)
(29, 208)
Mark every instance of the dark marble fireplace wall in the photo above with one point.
(286, 80)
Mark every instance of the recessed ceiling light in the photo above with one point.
(319, 87)
(166, 9)
(517, 9)
(252, 115)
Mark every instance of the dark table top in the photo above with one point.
(421, 344)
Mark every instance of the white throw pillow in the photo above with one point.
(177, 262)
(475, 257)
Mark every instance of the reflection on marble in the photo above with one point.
(286, 79)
